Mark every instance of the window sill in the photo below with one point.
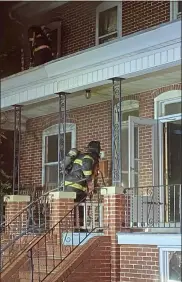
(149, 239)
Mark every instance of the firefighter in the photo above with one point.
(40, 45)
(69, 160)
(84, 170)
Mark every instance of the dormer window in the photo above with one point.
(108, 22)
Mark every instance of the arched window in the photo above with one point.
(128, 108)
(167, 109)
(168, 104)
(50, 151)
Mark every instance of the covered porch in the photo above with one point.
(136, 150)
(79, 98)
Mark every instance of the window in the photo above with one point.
(170, 264)
(50, 151)
(176, 9)
(168, 103)
(55, 28)
(172, 108)
(128, 108)
(108, 22)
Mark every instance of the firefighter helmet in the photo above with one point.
(94, 147)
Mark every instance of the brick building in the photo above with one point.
(94, 42)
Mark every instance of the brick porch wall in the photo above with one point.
(139, 263)
(92, 122)
(94, 267)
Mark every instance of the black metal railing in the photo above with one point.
(17, 232)
(153, 207)
(9, 249)
(60, 241)
(34, 220)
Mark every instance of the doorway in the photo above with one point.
(172, 152)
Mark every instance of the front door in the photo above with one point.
(144, 177)
(172, 169)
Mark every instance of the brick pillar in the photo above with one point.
(60, 204)
(13, 213)
(114, 217)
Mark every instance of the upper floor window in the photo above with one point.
(108, 22)
(176, 9)
(55, 32)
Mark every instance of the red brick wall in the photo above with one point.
(140, 15)
(139, 263)
(92, 122)
(79, 21)
(95, 266)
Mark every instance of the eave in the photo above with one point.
(145, 52)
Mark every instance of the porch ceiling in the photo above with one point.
(103, 93)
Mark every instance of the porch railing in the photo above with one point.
(64, 237)
(35, 220)
(32, 220)
(153, 207)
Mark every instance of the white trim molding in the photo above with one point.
(149, 239)
(129, 105)
(53, 130)
(146, 52)
(104, 7)
(168, 97)
(164, 261)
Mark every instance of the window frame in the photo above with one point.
(50, 131)
(164, 263)
(168, 97)
(174, 14)
(104, 7)
(56, 25)
(127, 106)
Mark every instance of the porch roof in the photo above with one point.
(145, 52)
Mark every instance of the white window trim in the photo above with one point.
(126, 106)
(164, 98)
(104, 7)
(53, 130)
(173, 10)
(160, 101)
(164, 263)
